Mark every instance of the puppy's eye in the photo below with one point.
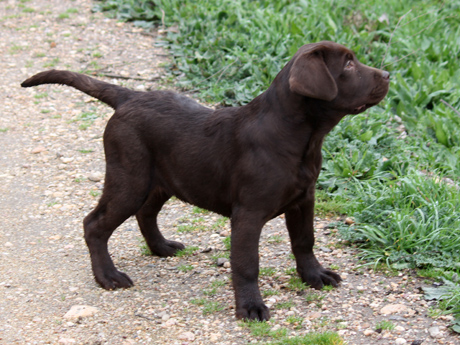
(349, 64)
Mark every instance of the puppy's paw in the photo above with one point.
(319, 276)
(111, 280)
(253, 311)
(166, 248)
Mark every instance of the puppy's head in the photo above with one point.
(330, 72)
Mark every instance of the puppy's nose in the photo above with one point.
(386, 75)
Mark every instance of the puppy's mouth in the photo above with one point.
(361, 108)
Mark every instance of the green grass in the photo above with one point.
(385, 325)
(267, 271)
(208, 307)
(86, 151)
(281, 335)
(401, 188)
(185, 268)
(188, 251)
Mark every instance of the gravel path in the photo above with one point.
(51, 174)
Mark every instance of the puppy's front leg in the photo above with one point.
(299, 221)
(246, 229)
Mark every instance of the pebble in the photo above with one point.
(400, 341)
(189, 336)
(80, 311)
(38, 149)
(325, 249)
(434, 332)
(393, 309)
(349, 221)
(221, 261)
(170, 322)
(368, 332)
(95, 176)
(313, 315)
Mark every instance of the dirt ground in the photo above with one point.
(51, 175)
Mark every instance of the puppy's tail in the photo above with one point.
(110, 94)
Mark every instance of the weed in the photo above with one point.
(385, 325)
(41, 95)
(295, 321)
(185, 268)
(227, 242)
(291, 271)
(198, 210)
(257, 328)
(145, 250)
(94, 192)
(295, 283)
(220, 255)
(51, 63)
(267, 271)
(314, 338)
(271, 292)
(4, 130)
(284, 305)
(220, 223)
(210, 307)
(86, 150)
(188, 251)
(275, 239)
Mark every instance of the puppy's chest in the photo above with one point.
(308, 172)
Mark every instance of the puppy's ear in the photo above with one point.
(309, 76)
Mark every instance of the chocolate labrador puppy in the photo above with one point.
(249, 163)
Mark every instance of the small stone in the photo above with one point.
(400, 341)
(80, 311)
(397, 318)
(214, 337)
(8, 244)
(221, 261)
(67, 160)
(368, 332)
(417, 342)
(434, 332)
(165, 317)
(326, 250)
(66, 341)
(314, 315)
(349, 221)
(188, 336)
(393, 309)
(95, 176)
(399, 329)
(224, 233)
(38, 149)
(227, 264)
(170, 322)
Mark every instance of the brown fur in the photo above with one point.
(249, 163)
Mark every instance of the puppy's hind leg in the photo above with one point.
(127, 185)
(147, 220)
